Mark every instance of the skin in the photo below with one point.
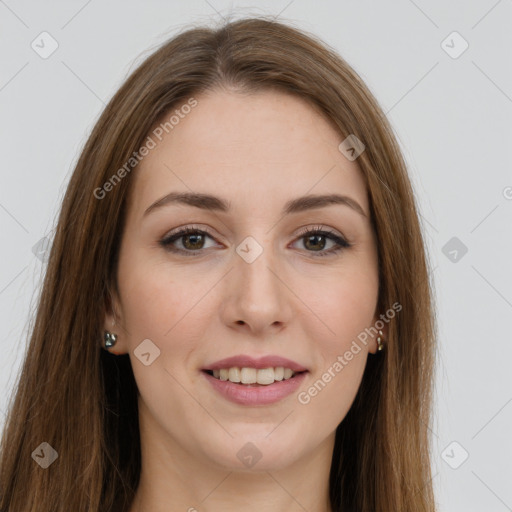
(257, 151)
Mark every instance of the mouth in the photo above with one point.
(255, 381)
(253, 387)
(254, 377)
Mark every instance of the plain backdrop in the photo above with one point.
(442, 73)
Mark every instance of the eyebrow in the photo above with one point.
(214, 203)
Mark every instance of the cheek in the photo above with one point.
(157, 306)
(155, 300)
(346, 305)
(166, 308)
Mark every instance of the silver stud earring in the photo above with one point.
(380, 344)
(109, 339)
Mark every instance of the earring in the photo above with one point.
(380, 344)
(109, 339)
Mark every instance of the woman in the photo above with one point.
(236, 310)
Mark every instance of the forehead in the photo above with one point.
(254, 149)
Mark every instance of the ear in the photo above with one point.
(377, 322)
(112, 322)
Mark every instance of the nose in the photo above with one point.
(257, 297)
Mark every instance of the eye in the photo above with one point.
(192, 241)
(315, 238)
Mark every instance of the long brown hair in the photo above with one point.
(82, 401)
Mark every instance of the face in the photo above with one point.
(251, 278)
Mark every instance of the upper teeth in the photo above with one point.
(253, 375)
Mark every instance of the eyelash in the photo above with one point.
(341, 243)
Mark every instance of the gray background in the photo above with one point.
(451, 114)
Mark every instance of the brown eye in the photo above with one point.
(192, 241)
(314, 240)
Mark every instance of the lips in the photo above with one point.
(250, 381)
(246, 361)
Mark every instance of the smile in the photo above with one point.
(251, 381)
(248, 376)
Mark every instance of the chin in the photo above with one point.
(256, 451)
